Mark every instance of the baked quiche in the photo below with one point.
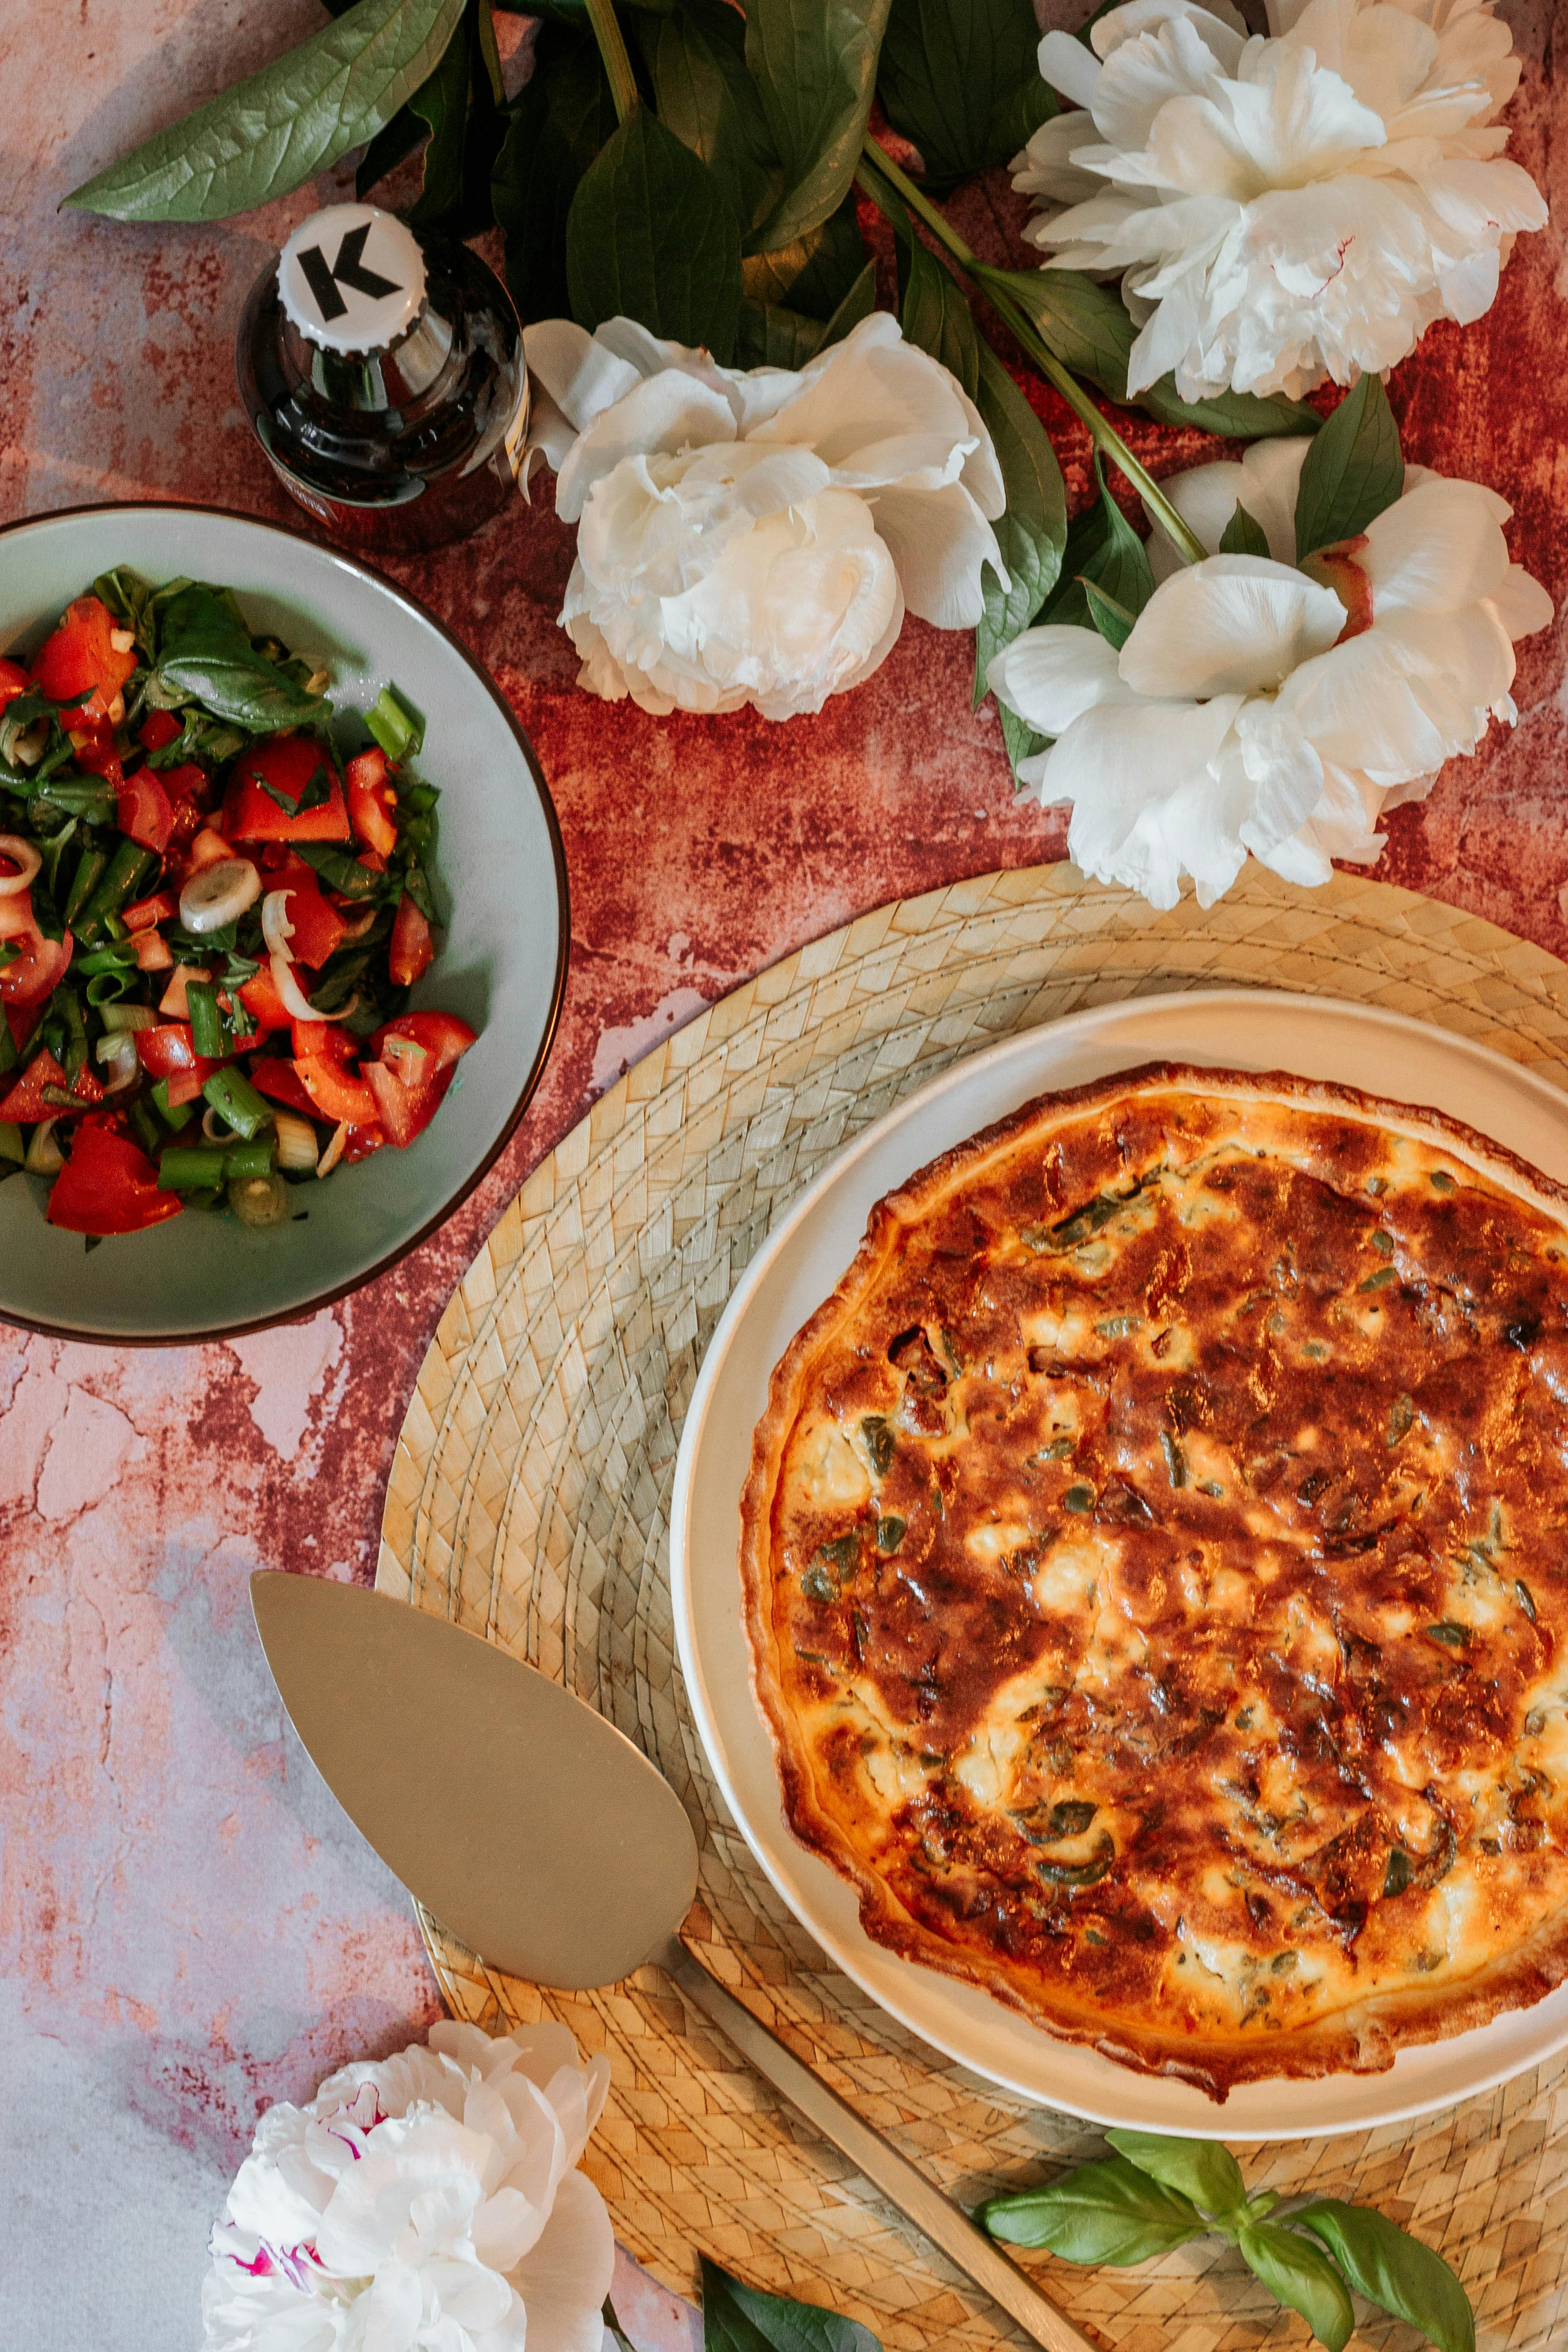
(1155, 1563)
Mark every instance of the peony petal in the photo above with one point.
(663, 414)
(1143, 783)
(1222, 28)
(564, 2282)
(580, 375)
(1265, 482)
(1069, 67)
(1231, 624)
(940, 543)
(1521, 604)
(1437, 549)
(1050, 677)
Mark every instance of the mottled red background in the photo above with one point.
(188, 1928)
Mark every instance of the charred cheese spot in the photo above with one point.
(1168, 1598)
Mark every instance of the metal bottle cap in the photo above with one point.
(351, 279)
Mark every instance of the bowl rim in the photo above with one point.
(205, 1334)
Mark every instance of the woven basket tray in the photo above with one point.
(530, 1500)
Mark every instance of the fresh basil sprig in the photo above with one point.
(737, 2318)
(1156, 2193)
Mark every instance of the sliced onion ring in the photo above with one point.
(298, 1006)
(219, 894)
(20, 853)
(275, 927)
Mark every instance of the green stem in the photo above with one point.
(613, 50)
(1101, 432)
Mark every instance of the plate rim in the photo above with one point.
(182, 1335)
(1217, 2124)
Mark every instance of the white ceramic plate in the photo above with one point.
(1249, 1029)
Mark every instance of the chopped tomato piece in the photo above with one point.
(186, 1086)
(96, 755)
(80, 665)
(372, 861)
(261, 999)
(279, 1081)
(107, 1186)
(208, 849)
(168, 1048)
(404, 1111)
(174, 1004)
(21, 1021)
(318, 928)
(329, 1039)
(152, 951)
(334, 1093)
(443, 1037)
(188, 785)
(146, 812)
(359, 1142)
(158, 909)
(372, 801)
(40, 967)
(13, 680)
(24, 1103)
(159, 728)
(286, 764)
(412, 949)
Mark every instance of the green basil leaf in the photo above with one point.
(278, 127)
(1107, 2212)
(465, 131)
(815, 66)
(1243, 534)
(769, 335)
(960, 78)
(1301, 2278)
(1032, 534)
(1354, 469)
(651, 236)
(560, 119)
(858, 304)
(1198, 2169)
(129, 597)
(815, 273)
(205, 654)
(737, 2318)
(708, 98)
(1394, 2270)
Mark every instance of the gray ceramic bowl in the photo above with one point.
(502, 965)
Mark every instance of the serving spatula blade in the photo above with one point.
(525, 1823)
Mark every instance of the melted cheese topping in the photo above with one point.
(1168, 1569)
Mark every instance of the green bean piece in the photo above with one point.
(190, 1168)
(74, 1058)
(234, 1098)
(88, 873)
(128, 869)
(174, 1115)
(242, 1161)
(207, 1020)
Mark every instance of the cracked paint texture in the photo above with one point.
(188, 1928)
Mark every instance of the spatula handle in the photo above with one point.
(900, 2182)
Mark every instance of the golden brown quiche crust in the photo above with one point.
(1155, 1567)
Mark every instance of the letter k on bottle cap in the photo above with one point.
(351, 279)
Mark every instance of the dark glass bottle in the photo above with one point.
(382, 370)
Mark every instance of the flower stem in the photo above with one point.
(1101, 432)
(613, 50)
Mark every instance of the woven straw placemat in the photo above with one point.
(529, 1498)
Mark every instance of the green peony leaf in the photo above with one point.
(815, 66)
(650, 235)
(858, 304)
(1297, 2275)
(770, 335)
(1394, 2270)
(1114, 621)
(813, 273)
(466, 128)
(1107, 2212)
(560, 119)
(278, 127)
(1198, 2169)
(960, 78)
(1354, 470)
(708, 98)
(1243, 535)
(737, 2318)
(1031, 534)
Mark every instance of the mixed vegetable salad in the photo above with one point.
(210, 916)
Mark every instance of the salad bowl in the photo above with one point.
(500, 881)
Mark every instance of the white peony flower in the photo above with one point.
(1259, 707)
(754, 536)
(1284, 208)
(423, 2203)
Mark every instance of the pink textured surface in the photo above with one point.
(188, 1929)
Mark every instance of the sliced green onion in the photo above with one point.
(75, 1054)
(296, 1143)
(174, 1115)
(128, 869)
(206, 1020)
(88, 873)
(146, 1125)
(396, 725)
(260, 1200)
(241, 1161)
(233, 1097)
(117, 1051)
(129, 1016)
(190, 1168)
(11, 1145)
(116, 957)
(45, 1157)
(107, 988)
